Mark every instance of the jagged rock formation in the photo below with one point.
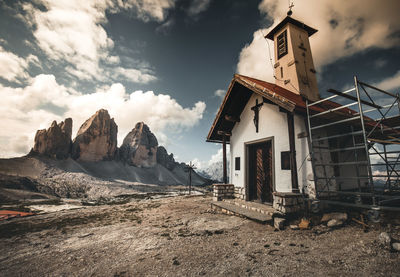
(96, 139)
(54, 142)
(164, 159)
(139, 147)
(94, 151)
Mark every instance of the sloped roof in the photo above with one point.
(242, 87)
(239, 92)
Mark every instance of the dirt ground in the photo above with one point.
(181, 236)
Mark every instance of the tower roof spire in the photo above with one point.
(293, 21)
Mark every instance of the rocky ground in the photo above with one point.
(181, 236)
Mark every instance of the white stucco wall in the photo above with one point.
(272, 124)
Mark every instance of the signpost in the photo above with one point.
(190, 167)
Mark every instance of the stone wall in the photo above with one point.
(288, 202)
(239, 193)
(223, 191)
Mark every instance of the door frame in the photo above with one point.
(247, 172)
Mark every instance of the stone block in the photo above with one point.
(338, 216)
(279, 223)
(334, 223)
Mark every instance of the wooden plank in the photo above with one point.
(354, 98)
(272, 96)
(231, 118)
(223, 133)
(260, 175)
(383, 141)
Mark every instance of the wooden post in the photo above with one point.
(190, 181)
(224, 158)
(293, 163)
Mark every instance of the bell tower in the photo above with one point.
(294, 66)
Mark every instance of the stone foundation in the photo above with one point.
(239, 193)
(288, 202)
(223, 191)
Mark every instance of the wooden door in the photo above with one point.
(260, 172)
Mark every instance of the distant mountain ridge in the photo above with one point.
(78, 168)
(97, 141)
(214, 171)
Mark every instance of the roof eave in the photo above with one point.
(268, 94)
(221, 108)
(293, 21)
(256, 88)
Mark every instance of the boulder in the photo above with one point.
(139, 147)
(304, 224)
(96, 139)
(294, 227)
(396, 246)
(279, 223)
(164, 159)
(338, 216)
(54, 142)
(384, 240)
(334, 223)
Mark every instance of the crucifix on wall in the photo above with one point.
(256, 110)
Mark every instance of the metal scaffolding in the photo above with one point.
(354, 146)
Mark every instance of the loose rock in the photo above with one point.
(334, 223)
(396, 246)
(304, 224)
(279, 223)
(337, 216)
(385, 239)
(294, 227)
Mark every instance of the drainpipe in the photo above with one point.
(293, 163)
(224, 158)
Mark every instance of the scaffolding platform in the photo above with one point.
(354, 147)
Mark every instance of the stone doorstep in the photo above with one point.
(255, 207)
(236, 210)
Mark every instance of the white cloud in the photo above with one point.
(197, 7)
(72, 32)
(134, 75)
(112, 60)
(146, 10)
(215, 159)
(220, 93)
(254, 58)
(27, 109)
(345, 28)
(13, 68)
(390, 83)
(197, 163)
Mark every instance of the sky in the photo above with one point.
(169, 63)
